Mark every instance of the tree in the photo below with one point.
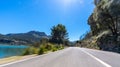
(59, 34)
(106, 16)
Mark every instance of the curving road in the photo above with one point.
(71, 57)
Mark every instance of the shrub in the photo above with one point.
(26, 52)
(54, 49)
(61, 47)
(48, 47)
(30, 50)
(42, 50)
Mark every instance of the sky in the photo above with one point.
(20, 16)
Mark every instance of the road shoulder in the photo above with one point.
(15, 58)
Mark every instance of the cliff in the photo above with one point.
(105, 26)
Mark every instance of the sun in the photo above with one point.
(68, 3)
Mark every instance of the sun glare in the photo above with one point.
(68, 3)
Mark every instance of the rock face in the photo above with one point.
(23, 38)
(106, 17)
(96, 2)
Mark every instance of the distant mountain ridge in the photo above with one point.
(23, 38)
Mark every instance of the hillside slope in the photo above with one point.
(22, 38)
(105, 26)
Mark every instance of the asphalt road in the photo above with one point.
(71, 57)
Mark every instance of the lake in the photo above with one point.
(11, 50)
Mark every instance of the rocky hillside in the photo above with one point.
(105, 26)
(22, 38)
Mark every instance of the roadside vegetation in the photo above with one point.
(42, 49)
(57, 41)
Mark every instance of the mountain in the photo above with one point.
(22, 38)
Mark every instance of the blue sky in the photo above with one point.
(19, 16)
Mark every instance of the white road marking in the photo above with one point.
(105, 64)
(2, 65)
(17, 61)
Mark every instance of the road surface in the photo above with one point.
(71, 57)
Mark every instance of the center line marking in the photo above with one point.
(105, 64)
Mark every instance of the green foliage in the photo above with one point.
(59, 34)
(57, 47)
(48, 46)
(110, 10)
(44, 41)
(54, 49)
(60, 47)
(41, 50)
(26, 52)
(30, 50)
(44, 48)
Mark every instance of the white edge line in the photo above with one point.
(2, 65)
(105, 64)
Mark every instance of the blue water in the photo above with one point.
(11, 50)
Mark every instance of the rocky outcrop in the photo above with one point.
(106, 17)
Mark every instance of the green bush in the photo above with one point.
(61, 47)
(57, 47)
(42, 50)
(30, 50)
(48, 47)
(54, 49)
(26, 52)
